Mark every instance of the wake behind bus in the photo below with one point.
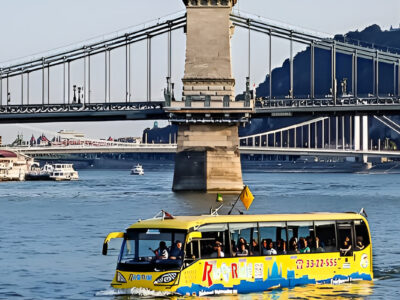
(232, 254)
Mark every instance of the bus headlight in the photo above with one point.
(165, 278)
(120, 278)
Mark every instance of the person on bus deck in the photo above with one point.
(217, 250)
(281, 246)
(293, 245)
(254, 248)
(346, 246)
(304, 246)
(176, 251)
(268, 247)
(162, 251)
(242, 250)
(360, 243)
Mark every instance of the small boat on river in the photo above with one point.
(138, 170)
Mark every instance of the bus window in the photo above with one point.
(255, 243)
(362, 236)
(273, 238)
(241, 235)
(325, 237)
(345, 238)
(213, 234)
(148, 249)
(301, 236)
(192, 251)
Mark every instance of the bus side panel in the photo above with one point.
(255, 274)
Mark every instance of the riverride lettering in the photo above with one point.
(206, 273)
(234, 271)
(241, 270)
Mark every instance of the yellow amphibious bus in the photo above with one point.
(229, 254)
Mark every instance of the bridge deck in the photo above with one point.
(171, 148)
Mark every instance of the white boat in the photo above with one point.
(13, 165)
(138, 170)
(63, 172)
(37, 173)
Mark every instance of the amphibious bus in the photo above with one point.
(229, 254)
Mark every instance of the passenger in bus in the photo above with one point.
(176, 251)
(360, 243)
(293, 246)
(317, 246)
(281, 246)
(242, 250)
(242, 241)
(254, 248)
(304, 246)
(234, 248)
(217, 250)
(162, 251)
(268, 247)
(346, 247)
(310, 241)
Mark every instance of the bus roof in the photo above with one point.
(187, 222)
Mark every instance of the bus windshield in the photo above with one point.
(153, 248)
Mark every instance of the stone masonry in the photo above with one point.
(208, 156)
(208, 69)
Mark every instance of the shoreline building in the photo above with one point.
(14, 166)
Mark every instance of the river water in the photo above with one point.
(51, 233)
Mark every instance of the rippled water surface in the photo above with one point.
(52, 232)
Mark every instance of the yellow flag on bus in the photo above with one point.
(247, 197)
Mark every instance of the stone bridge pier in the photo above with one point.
(208, 116)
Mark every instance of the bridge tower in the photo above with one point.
(208, 116)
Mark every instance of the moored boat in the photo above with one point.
(62, 172)
(13, 165)
(37, 173)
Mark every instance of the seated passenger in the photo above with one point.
(281, 246)
(242, 251)
(317, 246)
(234, 248)
(242, 241)
(346, 247)
(268, 247)
(217, 250)
(293, 246)
(162, 251)
(176, 251)
(304, 246)
(360, 243)
(255, 250)
(310, 241)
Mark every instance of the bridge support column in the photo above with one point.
(361, 135)
(365, 137)
(356, 133)
(208, 159)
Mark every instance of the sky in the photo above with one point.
(31, 27)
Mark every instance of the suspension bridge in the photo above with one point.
(78, 84)
(74, 101)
